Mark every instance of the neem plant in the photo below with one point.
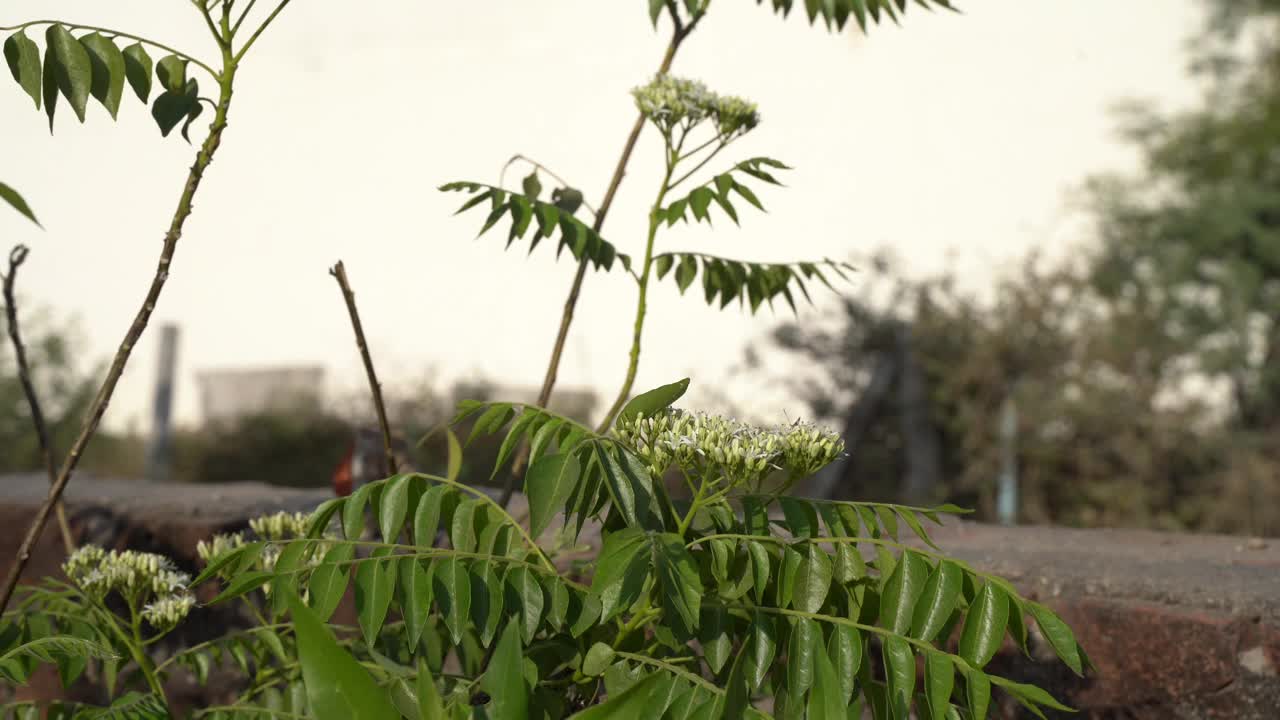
(93, 64)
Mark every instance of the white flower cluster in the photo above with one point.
(696, 441)
(164, 614)
(280, 526)
(669, 101)
(217, 546)
(138, 576)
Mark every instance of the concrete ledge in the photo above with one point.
(1181, 627)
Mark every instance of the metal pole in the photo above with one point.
(160, 451)
(1007, 495)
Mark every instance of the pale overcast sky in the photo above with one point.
(961, 133)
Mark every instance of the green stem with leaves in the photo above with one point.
(680, 32)
(204, 157)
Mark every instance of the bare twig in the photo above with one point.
(17, 256)
(100, 401)
(340, 274)
(678, 36)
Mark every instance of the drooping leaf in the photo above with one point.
(452, 586)
(937, 601)
(416, 594)
(977, 692)
(548, 484)
(337, 687)
(629, 485)
(802, 519)
(813, 579)
(1060, 637)
(845, 649)
(137, 69)
(530, 601)
(825, 702)
(800, 657)
(504, 679)
(14, 200)
(897, 606)
(172, 107)
(73, 71)
(621, 571)
(678, 577)
(713, 636)
(984, 625)
(329, 581)
(431, 506)
(900, 670)
(939, 680)
(23, 56)
(394, 507)
(172, 73)
(462, 531)
(375, 586)
(762, 647)
(108, 71)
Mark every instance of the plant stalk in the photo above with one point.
(339, 272)
(575, 289)
(642, 305)
(99, 405)
(16, 258)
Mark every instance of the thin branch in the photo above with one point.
(111, 31)
(99, 405)
(236, 28)
(265, 24)
(340, 274)
(16, 257)
(703, 163)
(213, 28)
(570, 303)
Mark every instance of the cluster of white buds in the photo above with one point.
(697, 441)
(810, 448)
(165, 613)
(217, 546)
(137, 576)
(669, 101)
(281, 526)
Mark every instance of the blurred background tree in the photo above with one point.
(1145, 370)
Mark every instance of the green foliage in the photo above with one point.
(719, 598)
(836, 13)
(94, 65)
(524, 209)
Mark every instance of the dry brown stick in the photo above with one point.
(570, 303)
(340, 274)
(101, 400)
(17, 256)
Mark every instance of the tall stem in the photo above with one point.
(571, 302)
(99, 405)
(642, 305)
